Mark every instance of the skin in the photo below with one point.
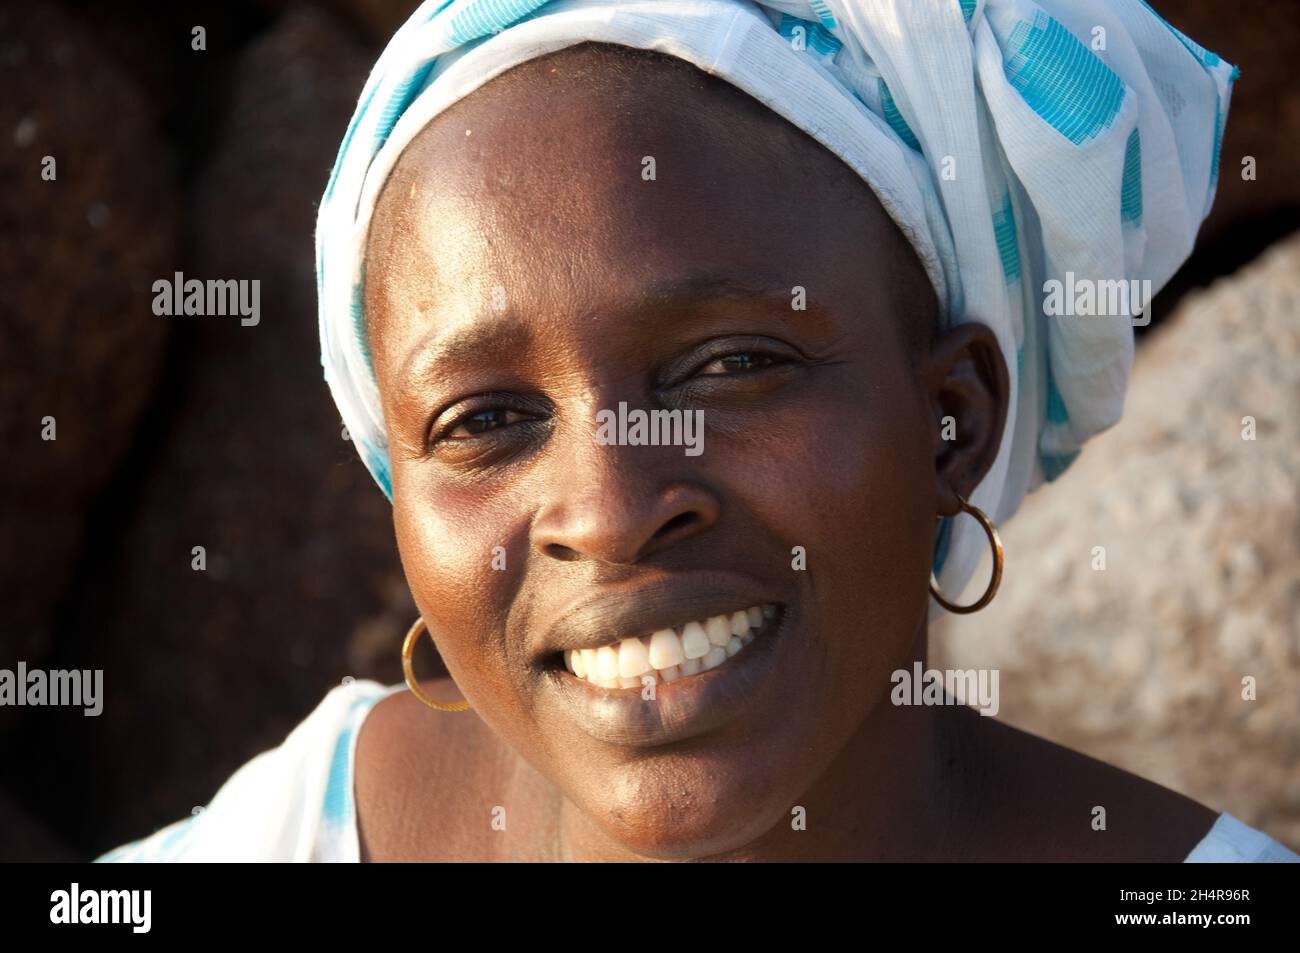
(822, 431)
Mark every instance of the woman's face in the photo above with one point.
(552, 248)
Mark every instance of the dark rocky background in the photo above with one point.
(181, 432)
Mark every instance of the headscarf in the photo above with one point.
(1015, 143)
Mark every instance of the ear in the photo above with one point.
(966, 380)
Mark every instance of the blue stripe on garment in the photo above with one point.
(1061, 79)
(968, 9)
(397, 102)
(1218, 145)
(1004, 229)
(824, 14)
(488, 16)
(1130, 198)
(357, 309)
(1219, 121)
(895, 118)
(1056, 412)
(1056, 464)
(338, 789)
(379, 467)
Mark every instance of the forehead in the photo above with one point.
(584, 179)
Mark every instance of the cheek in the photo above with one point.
(848, 475)
(459, 557)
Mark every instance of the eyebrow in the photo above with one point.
(464, 346)
(703, 285)
(468, 344)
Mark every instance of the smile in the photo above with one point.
(670, 654)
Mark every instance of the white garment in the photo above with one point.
(291, 803)
(295, 802)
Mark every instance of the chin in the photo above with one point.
(683, 806)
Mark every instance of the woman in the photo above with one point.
(808, 243)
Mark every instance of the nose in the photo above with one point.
(621, 510)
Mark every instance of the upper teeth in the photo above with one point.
(668, 654)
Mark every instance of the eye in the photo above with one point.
(739, 362)
(480, 422)
(487, 429)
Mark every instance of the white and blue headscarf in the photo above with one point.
(1014, 143)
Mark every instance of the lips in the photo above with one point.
(615, 612)
(650, 709)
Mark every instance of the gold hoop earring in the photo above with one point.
(409, 670)
(994, 581)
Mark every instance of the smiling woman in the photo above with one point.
(822, 228)
(614, 549)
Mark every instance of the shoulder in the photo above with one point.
(1038, 800)
(409, 757)
(272, 807)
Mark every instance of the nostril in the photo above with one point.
(678, 522)
(561, 552)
